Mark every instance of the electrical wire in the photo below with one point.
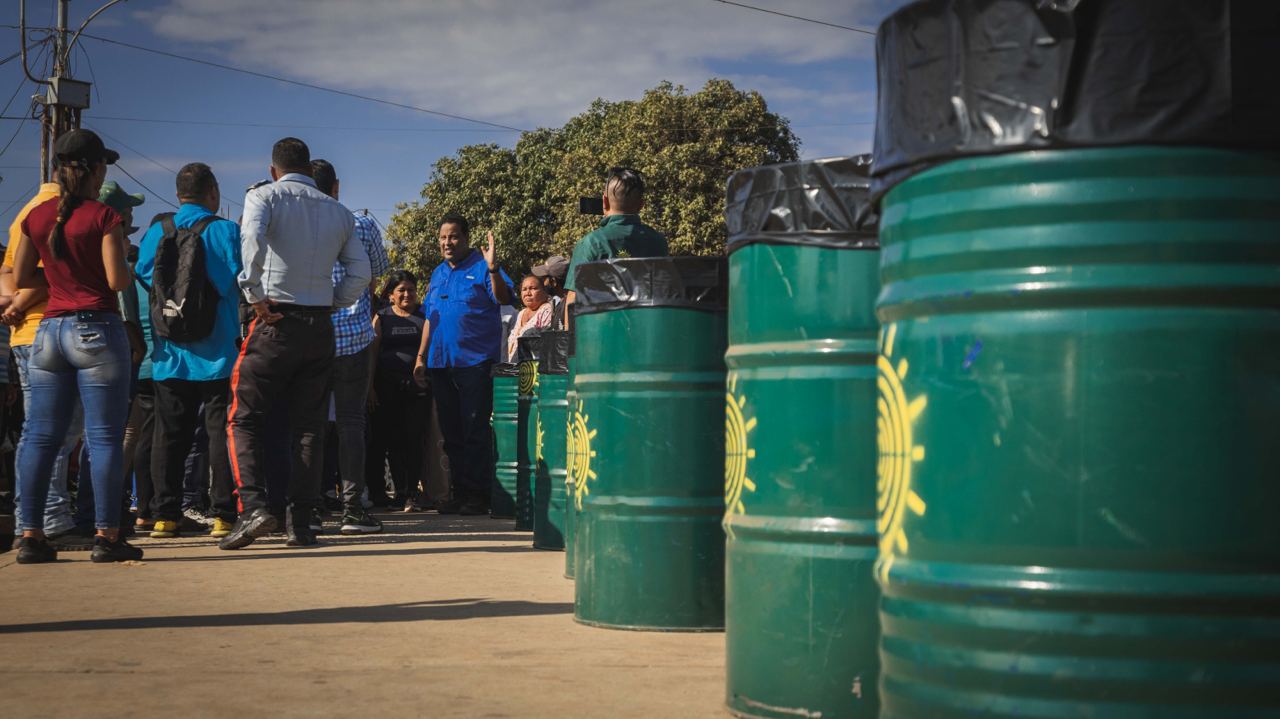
(850, 28)
(216, 123)
(21, 198)
(309, 85)
(154, 194)
(117, 141)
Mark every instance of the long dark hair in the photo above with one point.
(396, 278)
(73, 178)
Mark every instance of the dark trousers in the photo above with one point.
(288, 362)
(278, 468)
(195, 470)
(400, 423)
(144, 411)
(464, 404)
(350, 408)
(177, 410)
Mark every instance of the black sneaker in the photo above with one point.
(105, 551)
(72, 540)
(359, 522)
(474, 509)
(451, 506)
(255, 524)
(36, 551)
(301, 537)
(317, 522)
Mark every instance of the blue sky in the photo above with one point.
(523, 63)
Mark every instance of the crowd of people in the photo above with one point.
(244, 378)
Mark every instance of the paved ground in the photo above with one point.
(439, 617)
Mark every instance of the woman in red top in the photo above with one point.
(81, 347)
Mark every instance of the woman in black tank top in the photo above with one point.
(401, 408)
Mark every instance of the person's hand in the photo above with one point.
(491, 255)
(12, 316)
(420, 373)
(265, 313)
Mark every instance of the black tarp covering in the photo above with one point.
(529, 346)
(974, 77)
(553, 357)
(696, 283)
(505, 369)
(826, 203)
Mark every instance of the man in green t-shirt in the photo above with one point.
(621, 233)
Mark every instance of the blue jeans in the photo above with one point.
(58, 508)
(85, 353)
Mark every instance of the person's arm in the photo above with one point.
(16, 302)
(24, 266)
(420, 363)
(498, 281)
(115, 260)
(253, 255)
(354, 258)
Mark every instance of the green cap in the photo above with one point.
(117, 199)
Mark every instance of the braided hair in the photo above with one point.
(73, 178)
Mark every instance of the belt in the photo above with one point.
(96, 316)
(292, 309)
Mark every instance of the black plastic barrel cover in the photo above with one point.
(505, 369)
(529, 346)
(554, 355)
(696, 283)
(826, 203)
(973, 77)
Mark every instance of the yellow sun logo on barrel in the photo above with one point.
(737, 451)
(528, 377)
(580, 454)
(898, 453)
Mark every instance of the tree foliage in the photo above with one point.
(685, 144)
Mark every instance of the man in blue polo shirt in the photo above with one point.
(461, 341)
(187, 375)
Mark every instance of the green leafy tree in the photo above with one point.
(685, 144)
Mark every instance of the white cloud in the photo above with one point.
(521, 63)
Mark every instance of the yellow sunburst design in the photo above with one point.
(580, 454)
(538, 434)
(528, 378)
(898, 453)
(737, 451)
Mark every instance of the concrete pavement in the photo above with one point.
(437, 617)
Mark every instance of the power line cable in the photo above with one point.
(309, 85)
(154, 194)
(157, 163)
(850, 28)
(217, 123)
(21, 198)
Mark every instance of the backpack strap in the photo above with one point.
(167, 229)
(203, 223)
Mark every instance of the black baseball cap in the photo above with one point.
(83, 146)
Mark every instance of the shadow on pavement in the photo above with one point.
(441, 610)
(279, 551)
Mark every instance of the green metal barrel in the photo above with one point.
(527, 435)
(553, 416)
(506, 427)
(650, 457)
(801, 622)
(1079, 395)
(570, 483)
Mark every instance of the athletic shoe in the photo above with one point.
(317, 521)
(72, 540)
(255, 524)
(359, 522)
(36, 551)
(452, 506)
(301, 537)
(164, 529)
(221, 528)
(474, 508)
(105, 551)
(194, 520)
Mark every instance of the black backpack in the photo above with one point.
(184, 302)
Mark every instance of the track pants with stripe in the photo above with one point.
(287, 362)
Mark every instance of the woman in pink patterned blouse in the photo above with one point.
(536, 313)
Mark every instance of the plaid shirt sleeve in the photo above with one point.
(353, 326)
